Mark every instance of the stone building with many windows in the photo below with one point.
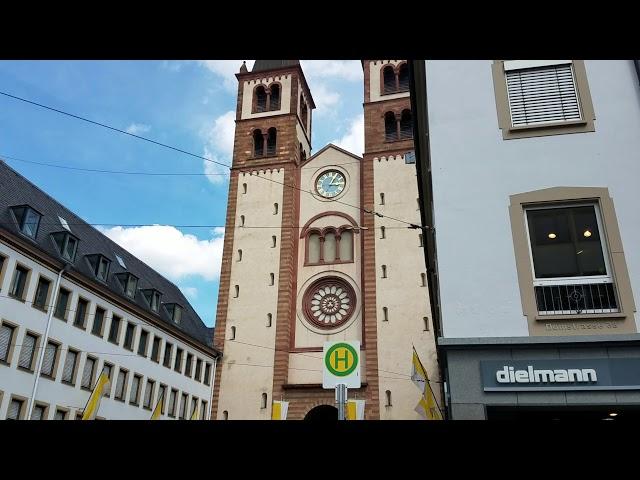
(108, 312)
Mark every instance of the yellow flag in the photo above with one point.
(158, 410)
(194, 414)
(427, 406)
(418, 373)
(355, 409)
(279, 410)
(91, 410)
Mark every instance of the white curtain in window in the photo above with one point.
(87, 373)
(120, 384)
(135, 385)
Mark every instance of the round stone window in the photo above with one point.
(329, 302)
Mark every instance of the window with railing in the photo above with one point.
(395, 79)
(572, 274)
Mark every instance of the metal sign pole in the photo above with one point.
(341, 397)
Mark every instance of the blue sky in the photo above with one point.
(187, 104)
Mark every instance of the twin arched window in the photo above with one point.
(267, 99)
(330, 245)
(398, 127)
(395, 80)
(264, 144)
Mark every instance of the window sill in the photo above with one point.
(40, 309)
(61, 319)
(398, 140)
(25, 369)
(86, 389)
(99, 335)
(571, 123)
(146, 408)
(5, 363)
(264, 157)
(81, 327)
(68, 384)
(590, 316)
(402, 90)
(48, 377)
(113, 342)
(119, 399)
(134, 404)
(17, 298)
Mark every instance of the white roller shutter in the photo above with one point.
(69, 366)
(13, 413)
(6, 334)
(49, 358)
(88, 372)
(542, 95)
(26, 354)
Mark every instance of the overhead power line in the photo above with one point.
(78, 117)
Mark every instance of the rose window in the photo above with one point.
(329, 302)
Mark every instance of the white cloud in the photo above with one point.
(174, 254)
(353, 140)
(191, 292)
(138, 128)
(350, 70)
(172, 65)
(324, 99)
(219, 146)
(227, 70)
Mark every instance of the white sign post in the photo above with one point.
(341, 370)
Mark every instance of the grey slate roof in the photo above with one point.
(261, 65)
(16, 190)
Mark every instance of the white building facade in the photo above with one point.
(533, 168)
(110, 313)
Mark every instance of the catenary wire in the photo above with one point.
(62, 112)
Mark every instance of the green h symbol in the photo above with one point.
(337, 359)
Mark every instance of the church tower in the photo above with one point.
(305, 258)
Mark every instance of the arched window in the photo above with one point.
(275, 208)
(271, 142)
(269, 319)
(239, 255)
(406, 126)
(263, 402)
(384, 271)
(303, 155)
(261, 99)
(273, 241)
(242, 220)
(389, 79)
(390, 127)
(303, 112)
(346, 245)
(233, 333)
(385, 314)
(237, 291)
(274, 103)
(403, 77)
(313, 245)
(426, 323)
(382, 232)
(258, 143)
(423, 279)
(329, 247)
(225, 415)
(244, 188)
(271, 279)
(388, 396)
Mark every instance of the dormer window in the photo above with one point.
(67, 245)
(129, 283)
(175, 312)
(28, 220)
(152, 296)
(100, 266)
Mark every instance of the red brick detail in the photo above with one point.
(369, 317)
(223, 293)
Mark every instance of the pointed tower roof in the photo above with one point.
(261, 65)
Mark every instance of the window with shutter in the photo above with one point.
(542, 95)
(28, 348)
(6, 336)
(38, 412)
(87, 373)
(49, 360)
(120, 384)
(60, 415)
(135, 389)
(69, 366)
(183, 406)
(172, 403)
(148, 394)
(15, 409)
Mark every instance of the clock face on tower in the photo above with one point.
(330, 184)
